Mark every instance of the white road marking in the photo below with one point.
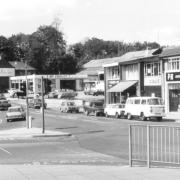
(5, 151)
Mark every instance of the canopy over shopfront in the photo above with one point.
(122, 86)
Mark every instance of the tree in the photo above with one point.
(95, 48)
(47, 47)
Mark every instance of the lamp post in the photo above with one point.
(27, 107)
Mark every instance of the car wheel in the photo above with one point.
(142, 117)
(87, 113)
(121, 115)
(129, 116)
(116, 115)
(106, 114)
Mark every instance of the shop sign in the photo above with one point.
(7, 72)
(152, 81)
(173, 76)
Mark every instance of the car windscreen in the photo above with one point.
(71, 104)
(14, 110)
(154, 101)
(98, 104)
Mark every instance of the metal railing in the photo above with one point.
(154, 144)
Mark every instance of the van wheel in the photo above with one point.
(106, 115)
(117, 115)
(129, 116)
(142, 117)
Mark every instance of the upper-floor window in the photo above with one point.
(131, 72)
(114, 72)
(173, 63)
(152, 69)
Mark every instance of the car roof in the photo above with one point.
(15, 107)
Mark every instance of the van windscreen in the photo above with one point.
(154, 101)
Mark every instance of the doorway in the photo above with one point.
(174, 99)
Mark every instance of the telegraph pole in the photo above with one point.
(27, 106)
(42, 106)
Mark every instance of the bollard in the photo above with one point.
(30, 121)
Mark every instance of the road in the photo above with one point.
(94, 140)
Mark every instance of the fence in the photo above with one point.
(154, 144)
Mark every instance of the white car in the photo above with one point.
(116, 110)
(144, 108)
(15, 113)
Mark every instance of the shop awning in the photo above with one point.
(121, 86)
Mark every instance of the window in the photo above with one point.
(114, 72)
(143, 101)
(173, 63)
(131, 72)
(152, 69)
(155, 101)
(137, 101)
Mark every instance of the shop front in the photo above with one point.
(173, 91)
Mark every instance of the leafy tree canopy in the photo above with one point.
(95, 48)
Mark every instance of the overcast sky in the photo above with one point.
(123, 20)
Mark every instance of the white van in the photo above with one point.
(144, 107)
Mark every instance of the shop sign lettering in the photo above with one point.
(152, 81)
(175, 76)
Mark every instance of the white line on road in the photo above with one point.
(5, 151)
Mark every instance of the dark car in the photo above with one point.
(94, 107)
(36, 103)
(97, 93)
(4, 103)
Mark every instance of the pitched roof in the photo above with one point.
(170, 51)
(18, 65)
(5, 64)
(129, 56)
(136, 55)
(100, 62)
(90, 71)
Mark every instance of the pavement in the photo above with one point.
(79, 172)
(21, 133)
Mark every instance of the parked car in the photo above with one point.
(52, 94)
(14, 93)
(36, 103)
(144, 108)
(94, 107)
(69, 106)
(67, 95)
(97, 93)
(116, 110)
(4, 103)
(15, 113)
